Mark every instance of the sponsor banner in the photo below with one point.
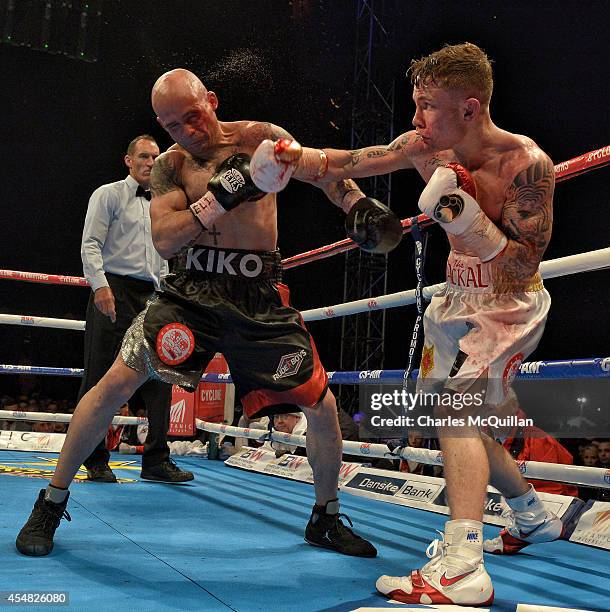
(428, 493)
(31, 441)
(593, 527)
(213, 399)
(181, 413)
(292, 467)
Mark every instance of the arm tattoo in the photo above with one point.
(403, 141)
(377, 153)
(162, 176)
(356, 156)
(527, 220)
(336, 191)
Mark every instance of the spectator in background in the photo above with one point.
(416, 440)
(603, 451)
(530, 443)
(293, 423)
(590, 456)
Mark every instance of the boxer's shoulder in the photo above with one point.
(522, 160)
(167, 171)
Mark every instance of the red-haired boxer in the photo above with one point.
(224, 295)
(491, 314)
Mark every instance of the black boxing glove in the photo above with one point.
(373, 226)
(227, 189)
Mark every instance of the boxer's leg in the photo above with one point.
(89, 423)
(93, 416)
(324, 446)
(531, 521)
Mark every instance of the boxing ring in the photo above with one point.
(232, 539)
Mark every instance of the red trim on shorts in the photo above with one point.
(308, 394)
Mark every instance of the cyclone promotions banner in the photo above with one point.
(182, 413)
(214, 401)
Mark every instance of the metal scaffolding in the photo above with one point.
(363, 335)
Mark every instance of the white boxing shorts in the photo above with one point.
(472, 331)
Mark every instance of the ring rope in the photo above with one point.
(563, 171)
(553, 268)
(570, 474)
(595, 367)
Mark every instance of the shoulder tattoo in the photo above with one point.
(163, 176)
(527, 215)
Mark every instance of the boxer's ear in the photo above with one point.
(471, 109)
(213, 100)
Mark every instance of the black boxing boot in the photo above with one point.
(326, 529)
(36, 537)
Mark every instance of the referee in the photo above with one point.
(124, 269)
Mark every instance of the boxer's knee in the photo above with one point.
(323, 416)
(118, 384)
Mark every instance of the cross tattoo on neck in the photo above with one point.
(214, 233)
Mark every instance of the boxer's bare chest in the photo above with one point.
(251, 225)
(196, 173)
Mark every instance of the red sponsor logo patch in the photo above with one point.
(175, 343)
(510, 371)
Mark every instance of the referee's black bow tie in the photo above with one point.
(142, 193)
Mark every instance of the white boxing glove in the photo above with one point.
(273, 163)
(449, 199)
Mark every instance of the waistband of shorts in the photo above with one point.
(200, 260)
(130, 280)
(468, 274)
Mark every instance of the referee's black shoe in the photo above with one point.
(167, 471)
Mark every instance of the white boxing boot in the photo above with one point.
(531, 523)
(455, 573)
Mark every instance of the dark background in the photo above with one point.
(65, 124)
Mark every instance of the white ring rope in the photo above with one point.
(569, 474)
(553, 268)
(30, 321)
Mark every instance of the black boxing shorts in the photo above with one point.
(231, 302)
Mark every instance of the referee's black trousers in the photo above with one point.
(102, 343)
